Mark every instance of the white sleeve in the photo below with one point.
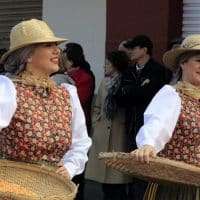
(8, 101)
(76, 157)
(160, 119)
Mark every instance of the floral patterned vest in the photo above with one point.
(185, 142)
(41, 127)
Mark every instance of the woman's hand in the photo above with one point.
(63, 171)
(143, 154)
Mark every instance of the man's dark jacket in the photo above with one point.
(135, 93)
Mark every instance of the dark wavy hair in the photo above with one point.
(75, 54)
(119, 60)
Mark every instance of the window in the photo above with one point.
(14, 11)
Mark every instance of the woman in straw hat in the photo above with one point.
(48, 124)
(171, 127)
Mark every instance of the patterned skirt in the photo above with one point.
(171, 192)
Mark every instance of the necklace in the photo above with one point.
(188, 89)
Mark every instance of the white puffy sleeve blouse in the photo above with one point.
(160, 119)
(76, 157)
(8, 102)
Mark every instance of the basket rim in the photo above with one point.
(40, 168)
(158, 169)
(157, 159)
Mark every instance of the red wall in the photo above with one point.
(161, 20)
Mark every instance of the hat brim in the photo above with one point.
(170, 57)
(48, 40)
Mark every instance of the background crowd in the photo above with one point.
(116, 113)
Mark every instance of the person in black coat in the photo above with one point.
(140, 82)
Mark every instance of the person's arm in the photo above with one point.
(160, 119)
(8, 102)
(85, 88)
(132, 92)
(76, 157)
(96, 108)
(124, 94)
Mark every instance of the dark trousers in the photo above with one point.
(114, 191)
(79, 179)
(136, 190)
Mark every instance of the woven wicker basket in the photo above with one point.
(157, 170)
(23, 181)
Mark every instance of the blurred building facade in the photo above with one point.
(100, 25)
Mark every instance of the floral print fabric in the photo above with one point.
(41, 127)
(185, 142)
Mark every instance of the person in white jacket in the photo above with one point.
(39, 121)
(171, 128)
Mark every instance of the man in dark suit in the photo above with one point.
(139, 84)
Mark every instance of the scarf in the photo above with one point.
(42, 84)
(188, 89)
(110, 105)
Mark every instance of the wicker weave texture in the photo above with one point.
(157, 170)
(22, 181)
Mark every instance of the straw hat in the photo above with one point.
(159, 169)
(23, 181)
(28, 32)
(190, 43)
